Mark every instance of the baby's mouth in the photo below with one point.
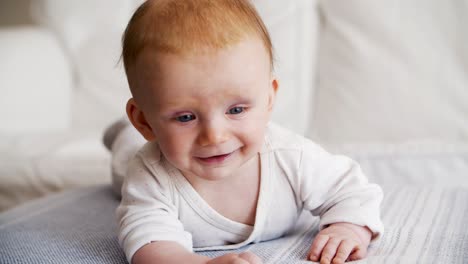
(215, 159)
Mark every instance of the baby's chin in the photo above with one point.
(217, 173)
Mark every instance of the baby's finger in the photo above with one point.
(358, 253)
(345, 248)
(250, 257)
(329, 251)
(317, 247)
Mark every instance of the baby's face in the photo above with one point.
(208, 112)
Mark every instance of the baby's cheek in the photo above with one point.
(253, 136)
(172, 149)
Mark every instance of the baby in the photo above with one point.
(214, 172)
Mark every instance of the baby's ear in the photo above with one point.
(138, 119)
(274, 84)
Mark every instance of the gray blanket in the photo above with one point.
(423, 225)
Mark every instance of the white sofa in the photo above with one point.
(62, 84)
(384, 82)
(72, 85)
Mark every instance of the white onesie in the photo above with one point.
(158, 203)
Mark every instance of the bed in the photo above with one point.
(423, 225)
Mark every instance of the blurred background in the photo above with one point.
(385, 83)
(61, 84)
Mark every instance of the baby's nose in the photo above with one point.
(213, 134)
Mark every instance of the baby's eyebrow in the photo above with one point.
(246, 101)
(177, 103)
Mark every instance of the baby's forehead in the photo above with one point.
(154, 59)
(233, 68)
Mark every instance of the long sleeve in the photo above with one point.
(147, 211)
(334, 188)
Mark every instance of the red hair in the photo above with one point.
(189, 26)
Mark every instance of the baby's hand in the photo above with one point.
(340, 242)
(242, 258)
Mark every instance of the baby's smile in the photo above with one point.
(216, 159)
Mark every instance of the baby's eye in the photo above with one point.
(236, 110)
(185, 118)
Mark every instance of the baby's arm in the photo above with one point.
(334, 188)
(340, 242)
(171, 252)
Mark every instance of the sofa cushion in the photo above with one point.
(293, 26)
(37, 165)
(392, 72)
(91, 32)
(35, 82)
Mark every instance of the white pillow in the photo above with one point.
(35, 82)
(101, 74)
(392, 71)
(293, 26)
(75, 21)
(91, 31)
